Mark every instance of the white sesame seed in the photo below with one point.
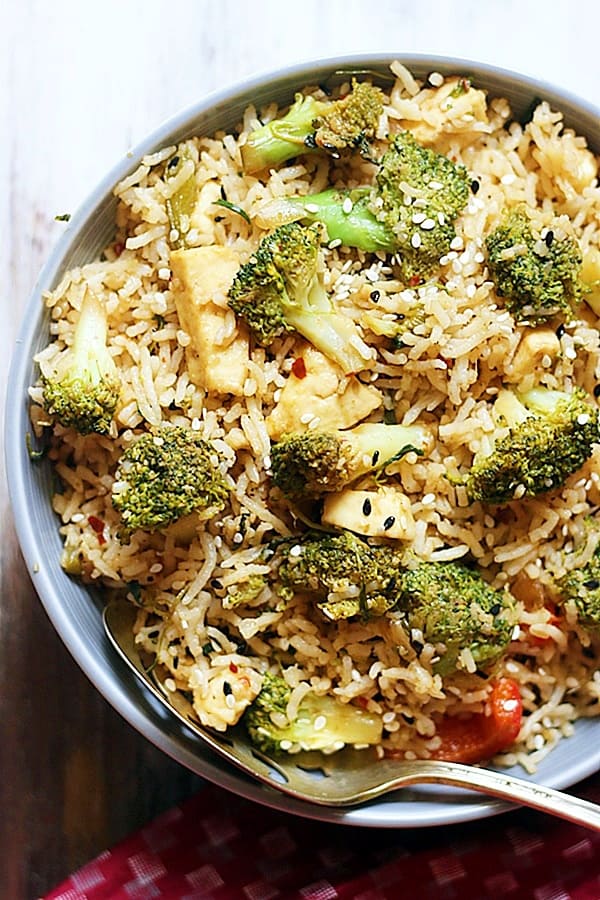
(436, 79)
(441, 218)
(428, 224)
(164, 273)
(305, 418)
(471, 290)
(347, 205)
(388, 717)
(508, 178)
(196, 424)
(285, 745)
(428, 499)
(456, 243)
(571, 353)
(156, 568)
(436, 185)
(230, 701)
(314, 423)
(311, 208)
(238, 538)
(320, 723)
(418, 217)
(78, 517)
(170, 684)
(407, 200)
(335, 243)
(583, 419)
(519, 491)
(296, 550)
(218, 541)
(443, 260)
(416, 240)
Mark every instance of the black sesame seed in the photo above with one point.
(560, 331)
(480, 674)
(591, 585)
(366, 508)
(408, 719)
(597, 391)
(375, 295)
(475, 185)
(216, 584)
(227, 689)
(176, 662)
(495, 609)
(549, 238)
(375, 458)
(153, 634)
(173, 162)
(389, 522)
(417, 646)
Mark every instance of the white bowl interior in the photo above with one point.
(76, 611)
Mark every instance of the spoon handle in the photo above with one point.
(505, 787)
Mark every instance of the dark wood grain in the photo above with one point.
(76, 777)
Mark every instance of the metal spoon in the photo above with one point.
(345, 778)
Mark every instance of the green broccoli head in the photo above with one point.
(329, 126)
(83, 391)
(419, 195)
(347, 576)
(538, 277)
(550, 436)
(321, 723)
(316, 462)
(450, 604)
(164, 475)
(279, 290)
(581, 587)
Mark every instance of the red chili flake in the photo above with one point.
(118, 248)
(299, 368)
(233, 668)
(98, 526)
(363, 702)
(449, 362)
(414, 280)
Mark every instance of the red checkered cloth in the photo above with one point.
(217, 846)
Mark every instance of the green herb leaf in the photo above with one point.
(233, 207)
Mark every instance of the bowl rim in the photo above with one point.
(19, 467)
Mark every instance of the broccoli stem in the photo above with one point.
(331, 332)
(345, 215)
(283, 138)
(379, 444)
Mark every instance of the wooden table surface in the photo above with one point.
(79, 84)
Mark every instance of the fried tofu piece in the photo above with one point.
(385, 513)
(202, 276)
(325, 393)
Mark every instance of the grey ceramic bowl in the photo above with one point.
(73, 609)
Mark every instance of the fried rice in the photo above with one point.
(466, 347)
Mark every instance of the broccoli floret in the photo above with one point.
(317, 462)
(410, 211)
(581, 587)
(538, 276)
(279, 290)
(347, 576)
(329, 126)
(245, 592)
(449, 604)
(420, 194)
(83, 391)
(550, 436)
(164, 475)
(321, 723)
